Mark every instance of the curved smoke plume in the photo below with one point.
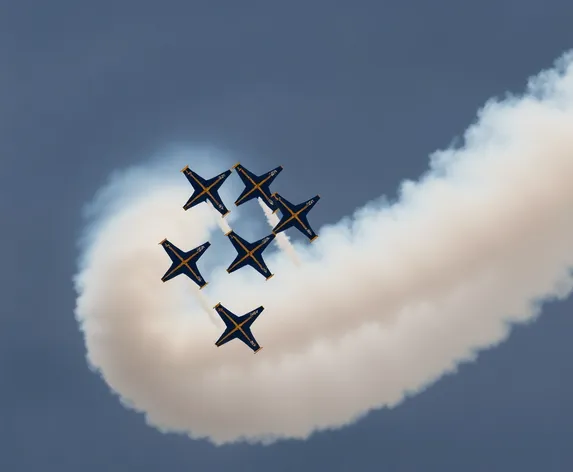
(381, 305)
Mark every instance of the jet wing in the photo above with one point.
(247, 337)
(248, 178)
(283, 205)
(256, 263)
(189, 269)
(250, 317)
(196, 181)
(174, 253)
(301, 223)
(240, 245)
(228, 318)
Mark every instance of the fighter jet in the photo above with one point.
(295, 216)
(250, 254)
(184, 262)
(257, 185)
(206, 190)
(238, 327)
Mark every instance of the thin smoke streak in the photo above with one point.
(207, 306)
(282, 239)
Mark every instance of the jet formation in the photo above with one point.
(248, 253)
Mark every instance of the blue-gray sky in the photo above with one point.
(365, 88)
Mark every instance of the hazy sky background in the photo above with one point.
(350, 97)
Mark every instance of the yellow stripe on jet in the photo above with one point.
(237, 327)
(255, 186)
(184, 262)
(205, 190)
(248, 254)
(293, 215)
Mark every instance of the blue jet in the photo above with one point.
(257, 185)
(250, 254)
(238, 327)
(184, 262)
(206, 190)
(295, 216)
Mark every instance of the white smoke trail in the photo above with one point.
(385, 305)
(223, 224)
(281, 239)
(207, 307)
